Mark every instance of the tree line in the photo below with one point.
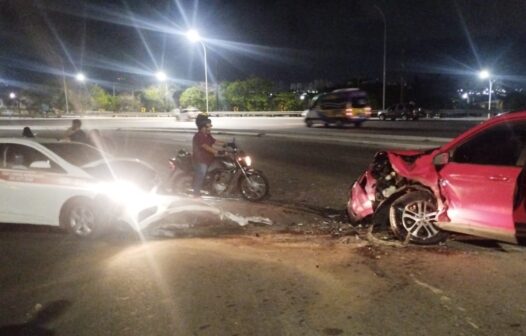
(252, 94)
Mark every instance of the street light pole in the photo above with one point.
(206, 75)
(489, 99)
(80, 77)
(65, 89)
(13, 96)
(385, 55)
(485, 74)
(194, 36)
(161, 77)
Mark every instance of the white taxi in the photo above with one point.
(75, 186)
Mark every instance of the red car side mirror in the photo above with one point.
(441, 159)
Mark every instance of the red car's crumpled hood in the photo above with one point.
(416, 165)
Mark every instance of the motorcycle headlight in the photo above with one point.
(248, 160)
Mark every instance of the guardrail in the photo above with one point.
(165, 114)
(255, 114)
(428, 114)
(460, 113)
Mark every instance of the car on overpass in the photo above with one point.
(74, 186)
(475, 184)
(339, 107)
(401, 111)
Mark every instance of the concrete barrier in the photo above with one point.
(431, 114)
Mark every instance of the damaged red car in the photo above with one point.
(475, 184)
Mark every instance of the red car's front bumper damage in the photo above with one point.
(389, 174)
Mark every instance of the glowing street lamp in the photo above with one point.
(485, 74)
(161, 76)
(80, 77)
(12, 95)
(193, 36)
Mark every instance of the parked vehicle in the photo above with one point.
(401, 111)
(475, 184)
(227, 175)
(73, 186)
(339, 107)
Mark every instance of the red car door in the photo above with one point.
(479, 182)
(481, 196)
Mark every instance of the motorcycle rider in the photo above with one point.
(204, 147)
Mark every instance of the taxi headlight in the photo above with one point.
(127, 194)
(119, 190)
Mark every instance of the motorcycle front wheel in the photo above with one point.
(254, 187)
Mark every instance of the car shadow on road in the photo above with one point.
(36, 326)
(5, 227)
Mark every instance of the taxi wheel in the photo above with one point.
(308, 122)
(81, 218)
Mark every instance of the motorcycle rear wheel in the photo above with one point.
(254, 187)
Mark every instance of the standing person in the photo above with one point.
(75, 134)
(203, 153)
(27, 132)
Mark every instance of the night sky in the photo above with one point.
(288, 41)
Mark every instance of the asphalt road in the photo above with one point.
(309, 273)
(427, 128)
(256, 285)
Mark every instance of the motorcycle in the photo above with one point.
(228, 175)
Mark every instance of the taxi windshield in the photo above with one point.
(77, 154)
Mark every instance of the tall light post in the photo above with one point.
(193, 35)
(12, 96)
(81, 78)
(485, 74)
(65, 88)
(385, 54)
(161, 77)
